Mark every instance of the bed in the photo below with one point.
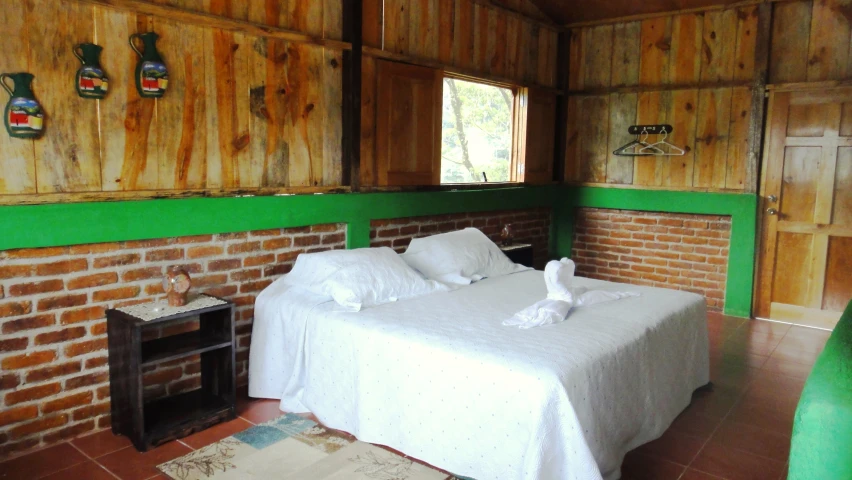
(439, 378)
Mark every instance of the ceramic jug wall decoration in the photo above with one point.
(23, 117)
(91, 81)
(152, 78)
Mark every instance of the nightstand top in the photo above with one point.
(515, 246)
(162, 311)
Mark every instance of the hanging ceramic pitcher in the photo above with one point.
(152, 78)
(24, 117)
(91, 82)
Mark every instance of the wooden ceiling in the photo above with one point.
(572, 11)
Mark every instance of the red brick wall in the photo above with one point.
(529, 225)
(54, 380)
(684, 252)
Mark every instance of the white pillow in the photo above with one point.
(360, 278)
(459, 257)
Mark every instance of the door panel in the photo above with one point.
(793, 261)
(799, 183)
(838, 275)
(842, 214)
(803, 121)
(806, 234)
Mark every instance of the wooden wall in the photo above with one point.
(811, 41)
(692, 71)
(502, 41)
(697, 72)
(245, 109)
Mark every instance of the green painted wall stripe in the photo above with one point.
(741, 207)
(32, 226)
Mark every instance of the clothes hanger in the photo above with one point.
(673, 152)
(629, 150)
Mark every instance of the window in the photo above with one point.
(476, 132)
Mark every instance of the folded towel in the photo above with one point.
(561, 297)
(545, 312)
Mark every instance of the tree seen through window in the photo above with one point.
(476, 132)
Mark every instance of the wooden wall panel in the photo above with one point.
(686, 61)
(625, 54)
(711, 138)
(655, 51)
(17, 156)
(181, 127)
(622, 114)
(68, 155)
(474, 36)
(241, 111)
(691, 70)
(719, 46)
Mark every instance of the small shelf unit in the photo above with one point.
(151, 423)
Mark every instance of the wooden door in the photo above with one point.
(806, 250)
(408, 124)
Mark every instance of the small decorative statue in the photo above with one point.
(152, 78)
(24, 117)
(507, 236)
(176, 284)
(91, 82)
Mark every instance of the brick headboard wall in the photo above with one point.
(529, 225)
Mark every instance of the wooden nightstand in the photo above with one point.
(152, 423)
(520, 253)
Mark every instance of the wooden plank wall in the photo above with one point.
(692, 71)
(242, 112)
(507, 41)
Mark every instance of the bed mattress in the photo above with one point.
(440, 379)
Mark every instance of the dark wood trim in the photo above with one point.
(216, 21)
(758, 97)
(351, 111)
(455, 71)
(563, 60)
(660, 88)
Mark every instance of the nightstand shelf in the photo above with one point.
(181, 345)
(520, 253)
(151, 423)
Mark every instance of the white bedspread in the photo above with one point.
(440, 379)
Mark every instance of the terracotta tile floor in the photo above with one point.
(738, 429)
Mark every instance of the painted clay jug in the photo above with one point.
(91, 81)
(23, 117)
(152, 78)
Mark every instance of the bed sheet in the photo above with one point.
(439, 378)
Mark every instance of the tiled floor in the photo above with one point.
(739, 429)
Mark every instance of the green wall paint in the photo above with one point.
(31, 226)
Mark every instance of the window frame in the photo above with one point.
(515, 153)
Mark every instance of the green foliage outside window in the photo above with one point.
(476, 132)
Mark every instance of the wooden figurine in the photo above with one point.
(176, 284)
(91, 81)
(152, 77)
(24, 117)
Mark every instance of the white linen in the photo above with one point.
(440, 379)
(459, 257)
(562, 296)
(362, 277)
(544, 312)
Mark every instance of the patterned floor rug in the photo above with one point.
(294, 448)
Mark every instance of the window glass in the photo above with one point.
(476, 132)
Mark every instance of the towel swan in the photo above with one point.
(561, 297)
